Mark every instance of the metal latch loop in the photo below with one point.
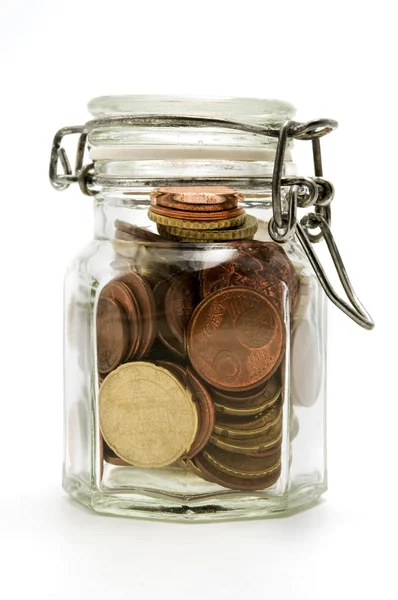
(355, 311)
(61, 181)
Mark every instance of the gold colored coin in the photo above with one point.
(246, 230)
(146, 416)
(196, 225)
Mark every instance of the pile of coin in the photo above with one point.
(245, 448)
(201, 215)
(126, 322)
(209, 391)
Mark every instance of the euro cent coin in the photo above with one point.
(146, 416)
(112, 335)
(236, 339)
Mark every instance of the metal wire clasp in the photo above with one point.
(283, 225)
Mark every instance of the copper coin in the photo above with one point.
(230, 426)
(250, 398)
(232, 434)
(236, 339)
(180, 302)
(147, 310)
(198, 195)
(253, 407)
(111, 457)
(252, 445)
(165, 335)
(167, 202)
(244, 270)
(112, 335)
(203, 402)
(278, 265)
(243, 463)
(197, 216)
(210, 473)
(120, 292)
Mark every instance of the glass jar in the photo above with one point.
(195, 330)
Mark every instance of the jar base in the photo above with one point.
(223, 507)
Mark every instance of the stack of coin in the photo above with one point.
(126, 322)
(211, 214)
(245, 449)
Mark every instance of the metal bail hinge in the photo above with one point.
(283, 225)
(81, 175)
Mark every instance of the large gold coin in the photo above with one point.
(197, 225)
(146, 416)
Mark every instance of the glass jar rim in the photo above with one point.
(254, 111)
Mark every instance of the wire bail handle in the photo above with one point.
(283, 225)
(303, 192)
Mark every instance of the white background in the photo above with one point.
(332, 59)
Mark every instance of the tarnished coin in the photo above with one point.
(112, 335)
(246, 408)
(188, 225)
(265, 472)
(246, 270)
(164, 333)
(263, 443)
(147, 310)
(242, 463)
(213, 474)
(116, 290)
(197, 195)
(236, 339)
(278, 266)
(180, 301)
(245, 231)
(203, 402)
(263, 396)
(167, 202)
(146, 416)
(187, 215)
(243, 428)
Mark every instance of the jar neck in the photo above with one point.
(131, 205)
(116, 201)
(186, 169)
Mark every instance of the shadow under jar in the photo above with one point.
(194, 345)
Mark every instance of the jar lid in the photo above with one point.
(121, 142)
